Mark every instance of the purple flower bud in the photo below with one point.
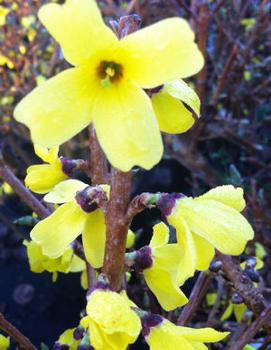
(168, 201)
(149, 321)
(69, 166)
(78, 333)
(58, 346)
(143, 258)
(86, 203)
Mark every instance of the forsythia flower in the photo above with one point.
(172, 114)
(106, 85)
(210, 221)
(3, 14)
(160, 264)
(68, 262)
(67, 339)
(113, 325)
(75, 216)
(161, 334)
(4, 342)
(41, 178)
(6, 61)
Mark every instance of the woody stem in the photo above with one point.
(117, 227)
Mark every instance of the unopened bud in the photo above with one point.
(215, 266)
(237, 299)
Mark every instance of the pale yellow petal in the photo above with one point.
(225, 228)
(162, 52)
(168, 295)
(160, 235)
(58, 109)
(94, 238)
(46, 154)
(188, 256)
(126, 127)
(204, 335)
(204, 252)
(173, 117)
(166, 337)
(61, 228)
(78, 27)
(228, 195)
(41, 178)
(65, 191)
(183, 92)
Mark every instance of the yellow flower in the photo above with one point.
(67, 262)
(161, 334)
(67, 338)
(113, 325)
(5, 60)
(4, 342)
(75, 216)
(106, 85)
(160, 264)
(3, 14)
(172, 114)
(204, 223)
(41, 178)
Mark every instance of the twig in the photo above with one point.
(195, 299)
(242, 284)
(12, 331)
(7, 175)
(263, 319)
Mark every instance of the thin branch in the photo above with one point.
(7, 175)
(23, 341)
(195, 299)
(263, 319)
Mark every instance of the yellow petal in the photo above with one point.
(225, 228)
(58, 109)
(157, 56)
(77, 264)
(173, 117)
(160, 235)
(183, 92)
(35, 256)
(4, 342)
(204, 335)
(126, 127)
(78, 27)
(94, 238)
(239, 310)
(227, 313)
(188, 256)
(65, 191)
(42, 178)
(204, 252)
(112, 313)
(47, 155)
(166, 336)
(228, 195)
(130, 239)
(161, 278)
(61, 228)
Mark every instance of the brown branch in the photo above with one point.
(98, 162)
(7, 175)
(263, 319)
(117, 227)
(222, 80)
(195, 299)
(13, 332)
(242, 284)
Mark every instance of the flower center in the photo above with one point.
(109, 72)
